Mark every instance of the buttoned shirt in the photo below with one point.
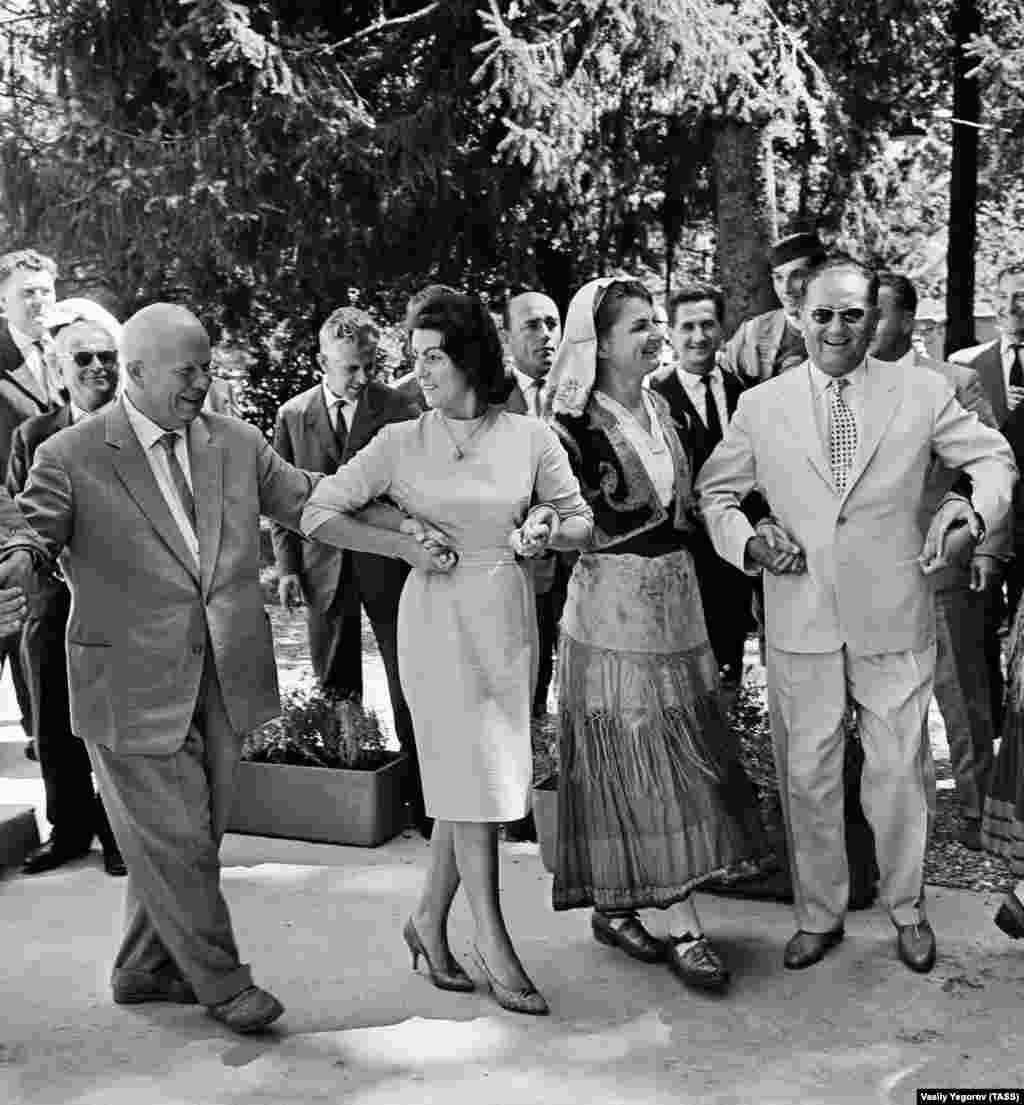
(853, 396)
(533, 395)
(334, 402)
(149, 435)
(694, 387)
(33, 358)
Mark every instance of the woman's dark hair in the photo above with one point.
(470, 337)
(611, 303)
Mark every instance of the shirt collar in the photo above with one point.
(1007, 344)
(692, 381)
(820, 380)
(527, 383)
(22, 340)
(146, 430)
(908, 360)
(333, 400)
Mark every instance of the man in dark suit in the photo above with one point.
(702, 397)
(84, 348)
(320, 430)
(1000, 368)
(28, 387)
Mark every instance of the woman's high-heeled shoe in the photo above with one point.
(528, 1000)
(455, 979)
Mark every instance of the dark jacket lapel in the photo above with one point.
(317, 423)
(17, 373)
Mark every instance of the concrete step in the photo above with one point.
(18, 834)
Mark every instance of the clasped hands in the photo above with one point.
(434, 553)
(17, 583)
(952, 536)
(773, 549)
(534, 536)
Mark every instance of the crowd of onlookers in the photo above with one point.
(624, 490)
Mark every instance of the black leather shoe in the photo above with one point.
(916, 946)
(51, 855)
(630, 936)
(1010, 917)
(113, 863)
(523, 831)
(806, 948)
(137, 987)
(970, 835)
(696, 963)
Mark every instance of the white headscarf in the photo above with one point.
(574, 369)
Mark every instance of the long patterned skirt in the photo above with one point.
(652, 799)
(1002, 823)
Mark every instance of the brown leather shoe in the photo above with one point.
(134, 989)
(630, 936)
(696, 963)
(916, 946)
(250, 1011)
(806, 948)
(1010, 916)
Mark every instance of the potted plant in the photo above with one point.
(545, 788)
(321, 772)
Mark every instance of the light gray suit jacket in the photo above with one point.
(863, 587)
(142, 616)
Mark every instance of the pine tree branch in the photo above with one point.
(375, 28)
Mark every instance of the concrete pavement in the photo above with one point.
(322, 927)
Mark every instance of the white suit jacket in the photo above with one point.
(863, 587)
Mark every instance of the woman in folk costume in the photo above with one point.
(652, 800)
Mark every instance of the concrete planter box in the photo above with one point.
(323, 804)
(545, 817)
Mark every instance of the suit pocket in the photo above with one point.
(92, 706)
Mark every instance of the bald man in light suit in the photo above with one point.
(153, 508)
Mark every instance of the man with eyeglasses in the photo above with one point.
(841, 447)
(83, 349)
(319, 430)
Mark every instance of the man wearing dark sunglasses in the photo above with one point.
(841, 447)
(83, 350)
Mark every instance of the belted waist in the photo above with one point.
(485, 558)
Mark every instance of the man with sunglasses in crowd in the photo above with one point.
(840, 447)
(83, 349)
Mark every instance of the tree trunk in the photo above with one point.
(745, 204)
(963, 184)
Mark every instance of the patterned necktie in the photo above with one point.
(711, 418)
(178, 476)
(1017, 368)
(842, 434)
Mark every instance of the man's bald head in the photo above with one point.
(534, 330)
(166, 354)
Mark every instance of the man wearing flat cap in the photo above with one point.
(320, 430)
(768, 344)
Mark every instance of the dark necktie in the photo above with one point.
(711, 418)
(340, 428)
(1017, 368)
(178, 476)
